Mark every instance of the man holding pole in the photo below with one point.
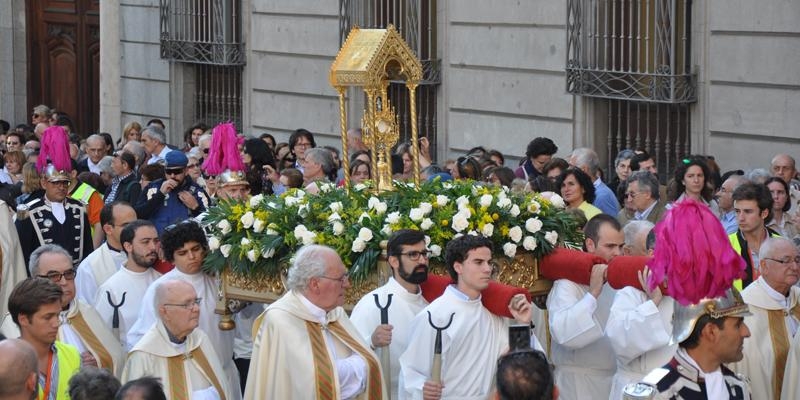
(400, 299)
(460, 330)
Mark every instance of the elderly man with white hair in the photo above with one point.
(306, 346)
(96, 150)
(175, 350)
(154, 140)
(636, 238)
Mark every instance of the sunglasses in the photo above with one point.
(174, 171)
(207, 176)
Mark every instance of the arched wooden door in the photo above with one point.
(64, 59)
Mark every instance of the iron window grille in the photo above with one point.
(631, 50)
(202, 31)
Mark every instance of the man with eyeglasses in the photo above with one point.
(176, 350)
(95, 149)
(774, 302)
(300, 141)
(642, 190)
(80, 325)
(185, 245)
(174, 198)
(306, 346)
(725, 200)
(408, 258)
(474, 339)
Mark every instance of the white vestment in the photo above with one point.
(758, 364)
(791, 384)
(471, 346)
(366, 316)
(640, 334)
(12, 262)
(82, 327)
(133, 286)
(206, 288)
(150, 357)
(95, 269)
(286, 362)
(579, 350)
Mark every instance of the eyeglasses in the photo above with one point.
(205, 151)
(174, 171)
(189, 305)
(795, 260)
(207, 176)
(344, 278)
(191, 165)
(303, 145)
(631, 194)
(60, 183)
(35, 115)
(415, 255)
(56, 276)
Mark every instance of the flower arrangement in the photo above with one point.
(261, 235)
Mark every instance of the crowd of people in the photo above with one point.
(102, 277)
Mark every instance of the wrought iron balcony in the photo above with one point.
(631, 50)
(202, 31)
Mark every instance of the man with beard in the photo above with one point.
(139, 240)
(408, 258)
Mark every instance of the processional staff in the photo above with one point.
(385, 360)
(436, 365)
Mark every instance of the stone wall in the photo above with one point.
(13, 62)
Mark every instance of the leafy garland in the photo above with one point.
(260, 236)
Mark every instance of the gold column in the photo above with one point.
(372, 131)
(345, 156)
(412, 86)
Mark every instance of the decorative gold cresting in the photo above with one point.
(370, 59)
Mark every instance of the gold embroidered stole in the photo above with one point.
(323, 368)
(91, 341)
(177, 374)
(780, 343)
(374, 381)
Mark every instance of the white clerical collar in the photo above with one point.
(643, 215)
(773, 294)
(396, 288)
(452, 289)
(318, 313)
(715, 382)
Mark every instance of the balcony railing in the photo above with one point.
(202, 31)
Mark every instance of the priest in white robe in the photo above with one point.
(580, 351)
(80, 326)
(306, 347)
(176, 351)
(12, 263)
(122, 293)
(475, 338)
(408, 258)
(773, 300)
(185, 245)
(107, 259)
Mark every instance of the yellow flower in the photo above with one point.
(445, 222)
(495, 216)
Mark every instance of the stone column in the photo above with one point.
(110, 98)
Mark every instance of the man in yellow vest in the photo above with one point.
(35, 305)
(752, 204)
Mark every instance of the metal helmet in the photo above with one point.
(685, 318)
(53, 174)
(231, 177)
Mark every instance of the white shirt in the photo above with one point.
(133, 285)
(93, 167)
(715, 382)
(160, 157)
(98, 266)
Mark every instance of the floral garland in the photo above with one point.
(261, 235)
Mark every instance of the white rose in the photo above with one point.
(213, 243)
(510, 249)
(290, 201)
(299, 231)
(245, 241)
(515, 234)
(358, 246)
(551, 237)
(300, 194)
(427, 240)
(252, 255)
(504, 202)
(460, 222)
(486, 200)
(487, 230)
(365, 234)
(387, 230)
(362, 217)
(442, 200)
(258, 226)
(381, 208)
(359, 187)
(268, 253)
(416, 214)
(309, 238)
(271, 231)
(256, 200)
(557, 201)
(462, 202)
(393, 217)
(533, 225)
(336, 206)
(334, 217)
(426, 224)
(338, 228)
(534, 207)
(225, 249)
(272, 205)
(303, 210)
(372, 202)
(224, 226)
(425, 207)
(514, 211)
(326, 187)
(436, 250)
(472, 233)
(529, 243)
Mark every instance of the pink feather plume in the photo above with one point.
(223, 154)
(54, 149)
(693, 254)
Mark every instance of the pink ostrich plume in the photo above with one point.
(694, 255)
(55, 149)
(223, 154)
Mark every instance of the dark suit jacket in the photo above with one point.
(656, 214)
